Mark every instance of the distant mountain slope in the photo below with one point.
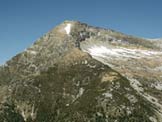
(158, 42)
(80, 73)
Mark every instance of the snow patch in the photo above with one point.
(67, 104)
(102, 51)
(23, 115)
(68, 28)
(152, 119)
(32, 113)
(158, 68)
(81, 91)
(157, 86)
(108, 95)
(32, 52)
(138, 87)
(131, 98)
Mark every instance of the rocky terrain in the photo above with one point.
(81, 73)
(158, 42)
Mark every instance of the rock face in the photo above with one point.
(80, 73)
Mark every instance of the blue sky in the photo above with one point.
(24, 21)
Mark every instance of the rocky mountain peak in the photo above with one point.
(81, 73)
(65, 28)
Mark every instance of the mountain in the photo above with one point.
(81, 73)
(158, 42)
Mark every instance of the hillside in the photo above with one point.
(81, 73)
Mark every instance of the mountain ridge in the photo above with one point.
(111, 30)
(81, 73)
